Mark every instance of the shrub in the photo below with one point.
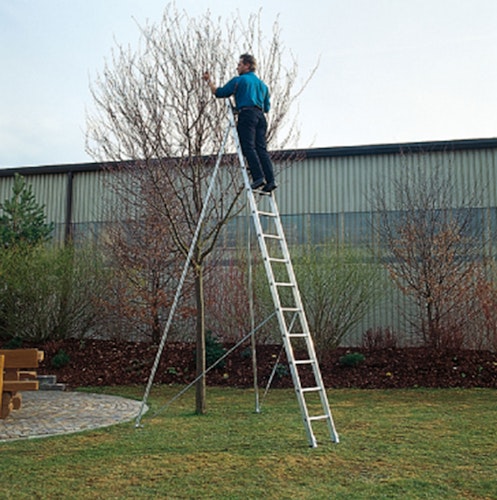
(351, 359)
(379, 338)
(48, 292)
(281, 370)
(13, 343)
(213, 351)
(60, 359)
(432, 251)
(339, 285)
(484, 325)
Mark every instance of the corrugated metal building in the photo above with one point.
(324, 196)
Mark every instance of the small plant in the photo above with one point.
(135, 365)
(351, 359)
(13, 343)
(246, 353)
(213, 351)
(281, 370)
(61, 359)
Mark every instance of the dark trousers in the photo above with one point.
(252, 129)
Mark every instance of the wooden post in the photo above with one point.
(2, 359)
(4, 398)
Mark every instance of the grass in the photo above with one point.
(394, 444)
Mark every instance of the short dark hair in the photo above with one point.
(250, 60)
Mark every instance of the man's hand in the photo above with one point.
(207, 77)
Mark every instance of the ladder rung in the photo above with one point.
(283, 283)
(277, 259)
(266, 214)
(273, 236)
(302, 335)
(319, 417)
(311, 389)
(304, 361)
(291, 309)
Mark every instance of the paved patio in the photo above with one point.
(50, 413)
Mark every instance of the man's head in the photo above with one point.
(246, 64)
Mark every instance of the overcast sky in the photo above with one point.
(390, 70)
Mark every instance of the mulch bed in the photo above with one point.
(99, 363)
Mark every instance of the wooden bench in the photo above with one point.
(17, 374)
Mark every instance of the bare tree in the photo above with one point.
(151, 105)
(433, 248)
(486, 302)
(141, 254)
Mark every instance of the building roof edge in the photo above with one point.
(322, 152)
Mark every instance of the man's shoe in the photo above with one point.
(270, 186)
(257, 184)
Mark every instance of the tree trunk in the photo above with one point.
(200, 395)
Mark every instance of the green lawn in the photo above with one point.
(394, 444)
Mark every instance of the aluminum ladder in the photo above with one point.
(297, 339)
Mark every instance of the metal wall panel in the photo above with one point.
(346, 184)
(327, 195)
(48, 190)
(89, 194)
(319, 184)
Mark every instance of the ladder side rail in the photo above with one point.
(281, 319)
(305, 326)
(280, 235)
(308, 337)
(296, 291)
(286, 339)
(299, 390)
(289, 265)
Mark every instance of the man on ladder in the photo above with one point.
(252, 101)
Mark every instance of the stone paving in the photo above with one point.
(49, 413)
